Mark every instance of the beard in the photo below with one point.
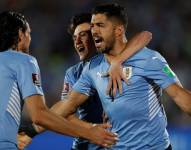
(105, 50)
(104, 44)
(108, 46)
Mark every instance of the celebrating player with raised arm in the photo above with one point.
(91, 111)
(137, 115)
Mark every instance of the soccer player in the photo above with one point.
(136, 115)
(90, 111)
(20, 82)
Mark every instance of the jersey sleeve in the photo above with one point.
(157, 69)
(85, 83)
(29, 79)
(67, 85)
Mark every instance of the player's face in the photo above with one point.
(25, 39)
(103, 32)
(83, 41)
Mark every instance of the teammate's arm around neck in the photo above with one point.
(115, 73)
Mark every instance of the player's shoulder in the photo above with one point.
(153, 59)
(147, 54)
(17, 58)
(75, 69)
(20, 57)
(153, 55)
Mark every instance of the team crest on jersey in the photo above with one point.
(36, 79)
(127, 72)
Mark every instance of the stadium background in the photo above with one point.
(168, 20)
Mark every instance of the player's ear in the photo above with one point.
(21, 35)
(119, 30)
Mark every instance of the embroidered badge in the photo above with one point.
(127, 72)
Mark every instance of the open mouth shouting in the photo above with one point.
(80, 48)
(98, 41)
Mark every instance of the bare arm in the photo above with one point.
(139, 41)
(181, 96)
(59, 109)
(42, 116)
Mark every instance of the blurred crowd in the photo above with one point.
(168, 20)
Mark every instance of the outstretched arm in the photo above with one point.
(181, 96)
(42, 116)
(115, 72)
(59, 109)
(68, 107)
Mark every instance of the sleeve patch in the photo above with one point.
(168, 71)
(36, 79)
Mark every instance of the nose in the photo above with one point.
(94, 29)
(29, 38)
(78, 40)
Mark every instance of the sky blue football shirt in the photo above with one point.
(90, 111)
(137, 115)
(19, 78)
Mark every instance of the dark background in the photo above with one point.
(168, 20)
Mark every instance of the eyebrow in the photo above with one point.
(87, 31)
(97, 23)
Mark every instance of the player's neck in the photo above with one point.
(118, 47)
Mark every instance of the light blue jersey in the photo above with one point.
(19, 78)
(90, 111)
(137, 115)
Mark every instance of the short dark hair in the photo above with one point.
(113, 10)
(10, 24)
(79, 19)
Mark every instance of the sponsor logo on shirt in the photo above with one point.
(36, 79)
(103, 74)
(127, 72)
(154, 58)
